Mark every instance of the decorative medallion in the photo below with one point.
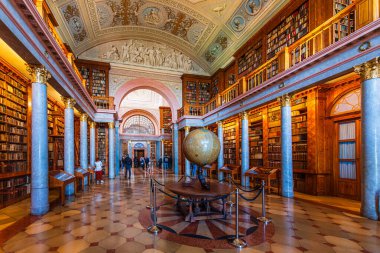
(238, 23)
(252, 7)
(152, 15)
(217, 47)
(72, 16)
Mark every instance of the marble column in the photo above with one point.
(370, 138)
(286, 147)
(40, 177)
(130, 150)
(148, 150)
(83, 144)
(92, 143)
(244, 149)
(69, 141)
(111, 150)
(175, 148)
(187, 162)
(117, 148)
(221, 153)
(162, 150)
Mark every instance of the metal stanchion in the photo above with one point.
(229, 202)
(154, 229)
(263, 219)
(150, 206)
(237, 242)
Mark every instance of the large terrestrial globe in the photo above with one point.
(201, 147)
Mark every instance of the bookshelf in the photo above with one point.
(196, 91)
(290, 29)
(204, 92)
(153, 152)
(230, 144)
(96, 75)
(165, 119)
(256, 140)
(101, 146)
(214, 90)
(345, 26)
(14, 169)
(56, 130)
(251, 59)
(274, 136)
(191, 93)
(299, 133)
(168, 145)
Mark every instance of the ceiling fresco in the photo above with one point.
(206, 32)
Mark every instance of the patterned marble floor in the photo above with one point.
(106, 219)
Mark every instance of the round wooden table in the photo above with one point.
(195, 196)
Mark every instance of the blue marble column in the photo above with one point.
(83, 144)
(111, 150)
(148, 150)
(92, 143)
(187, 162)
(175, 148)
(40, 178)
(117, 147)
(69, 141)
(244, 149)
(130, 150)
(221, 153)
(370, 131)
(286, 147)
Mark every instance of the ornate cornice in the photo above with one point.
(369, 69)
(39, 73)
(83, 117)
(285, 100)
(69, 102)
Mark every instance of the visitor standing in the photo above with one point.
(147, 162)
(142, 162)
(128, 166)
(99, 171)
(166, 162)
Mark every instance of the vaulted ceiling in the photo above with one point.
(192, 35)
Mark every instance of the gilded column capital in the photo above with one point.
(69, 102)
(92, 124)
(187, 129)
(244, 115)
(220, 123)
(111, 125)
(39, 73)
(83, 117)
(369, 69)
(285, 100)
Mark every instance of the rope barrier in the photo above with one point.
(244, 190)
(157, 182)
(252, 199)
(180, 179)
(169, 195)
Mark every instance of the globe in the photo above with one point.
(201, 147)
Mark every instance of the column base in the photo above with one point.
(41, 210)
(370, 214)
(287, 194)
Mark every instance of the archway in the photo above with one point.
(150, 84)
(147, 114)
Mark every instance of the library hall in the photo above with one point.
(189, 126)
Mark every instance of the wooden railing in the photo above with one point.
(104, 102)
(212, 104)
(230, 93)
(324, 35)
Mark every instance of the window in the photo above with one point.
(138, 124)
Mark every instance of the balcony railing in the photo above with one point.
(326, 34)
(104, 102)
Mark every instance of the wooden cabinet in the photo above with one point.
(231, 142)
(14, 139)
(256, 158)
(56, 132)
(165, 119)
(96, 75)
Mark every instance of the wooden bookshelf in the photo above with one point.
(196, 91)
(251, 59)
(168, 145)
(153, 152)
(101, 145)
(347, 25)
(56, 130)
(96, 75)
(231, 145)
(256, 150)
(274, 136)
(14, 139)
(165, 119)
(292, 28)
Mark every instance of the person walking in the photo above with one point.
(147, 162)
(128, 166)
(166, 162)
(99, 171)
(142, 162)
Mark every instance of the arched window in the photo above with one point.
(138, 124)
(350, 102)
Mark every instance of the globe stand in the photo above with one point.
(202, 179)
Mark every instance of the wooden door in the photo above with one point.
(347, 159)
